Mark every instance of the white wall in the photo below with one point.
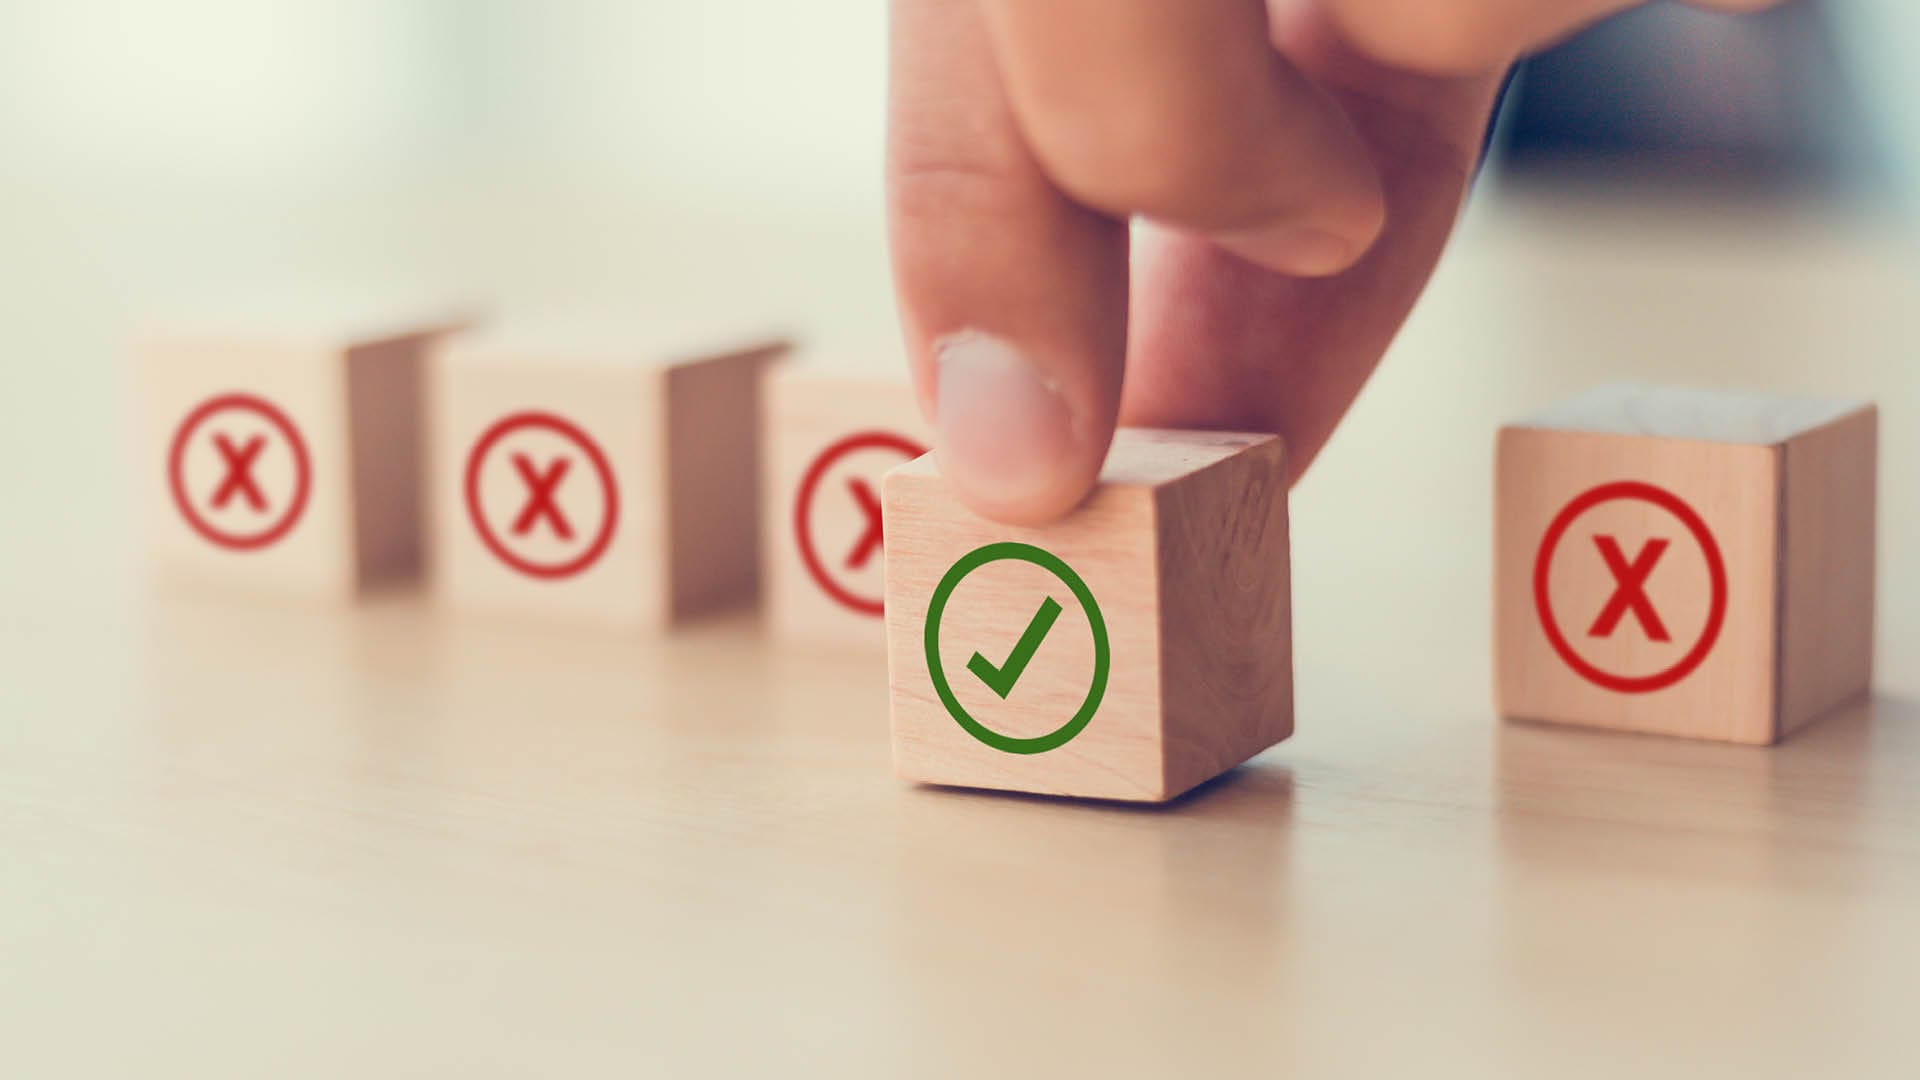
(774, 98)
(766, 97)
(233, 91)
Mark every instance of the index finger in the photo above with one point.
(1013, 298)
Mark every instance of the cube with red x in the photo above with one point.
(1684, 562)
(280, 443)
(604, 476)
(832, 430)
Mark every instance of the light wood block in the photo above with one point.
(1691, 563)
(829, 439)
(1172, 578)
(609, 481)
(282, 451)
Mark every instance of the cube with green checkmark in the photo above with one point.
(1132, 650)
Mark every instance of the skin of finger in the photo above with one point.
(1467, 36)
(1178, 110)
(1221, 343)
(1218, 342)
(983, 242)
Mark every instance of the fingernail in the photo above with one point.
(1292, 249)
(1003, 433)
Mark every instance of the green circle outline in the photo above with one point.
(1102, 653)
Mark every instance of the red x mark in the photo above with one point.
(540, 489)
(1630, 592)
(239, 478)
(870, 540)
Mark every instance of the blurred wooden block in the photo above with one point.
(1684, 562)
(606, 481)
(1135, 649)
(281, 450)
(829, 438)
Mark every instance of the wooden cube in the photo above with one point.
(608, 480)
(281, 450)
(829, 438)
(1132, 650)
(1683, 562)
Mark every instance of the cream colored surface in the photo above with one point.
(250, 840)
(807, 411)
(1183, 549)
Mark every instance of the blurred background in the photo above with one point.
(1676, 194)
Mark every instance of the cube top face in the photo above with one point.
(830, 438)
(1145, 458)
(244, 464)
(547, 485)
(1641, 579)
(1719, 416)
(1037, 659)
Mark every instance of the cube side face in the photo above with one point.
(712, 446)
(386, 421)
(244, 463)
(1064, 696)
(1636, 583)
(1226, 615)
(829, 440)
(548, 484)
(1827, 606)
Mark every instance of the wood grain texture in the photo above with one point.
(356, 406)
(1181, 703)
(807, 412)
(1226, 614)
(1829, 492)
(1733, 488)
(1742, 493)
(674, 431)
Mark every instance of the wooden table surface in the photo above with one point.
(243, 838)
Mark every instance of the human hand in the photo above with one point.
(1300, 163)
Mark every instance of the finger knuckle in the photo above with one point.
(1425, 36)
(925, 182)
(1136, 156)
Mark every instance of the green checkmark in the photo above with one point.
(1000, 679)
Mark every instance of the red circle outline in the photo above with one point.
(865, 440)
(1716, 572)
(302, 471)
(476, 457)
